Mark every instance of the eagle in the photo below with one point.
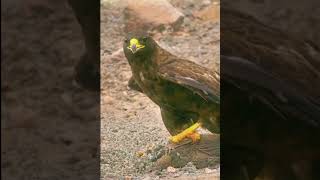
(270, 88)
(188, 94)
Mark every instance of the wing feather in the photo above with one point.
(198, 79)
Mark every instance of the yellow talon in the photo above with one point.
(187, 133)
(194, 136)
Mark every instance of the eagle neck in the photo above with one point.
(145, 64)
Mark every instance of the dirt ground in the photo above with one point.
(131, 123)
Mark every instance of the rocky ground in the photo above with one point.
(133, 136)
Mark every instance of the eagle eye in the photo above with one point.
(144, 39)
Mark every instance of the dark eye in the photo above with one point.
(126, 40)
(144, 39)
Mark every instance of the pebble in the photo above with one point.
(208, 170)
(171, 169)
(108, 99)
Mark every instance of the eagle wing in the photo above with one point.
(192, 76)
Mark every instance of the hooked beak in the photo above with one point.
(135, 45)
(133, 48)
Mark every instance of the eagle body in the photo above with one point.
(185, 92)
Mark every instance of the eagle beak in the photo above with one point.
(135, 45)
(133, 48)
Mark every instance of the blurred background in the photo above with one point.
(50, 127)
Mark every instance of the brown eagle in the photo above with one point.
(187, 93)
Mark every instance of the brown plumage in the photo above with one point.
(185, 91)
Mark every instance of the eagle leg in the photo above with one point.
(189, 132)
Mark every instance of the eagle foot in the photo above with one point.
(195, 137)
(187, 133)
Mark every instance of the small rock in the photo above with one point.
(171, 169)
(208, 171)
(211, 13)
(147, 178)
(164, 161)
(140, 153)
(108, 99)
(145, 14)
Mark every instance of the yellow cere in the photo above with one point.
(134, 41)
(135, 45)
